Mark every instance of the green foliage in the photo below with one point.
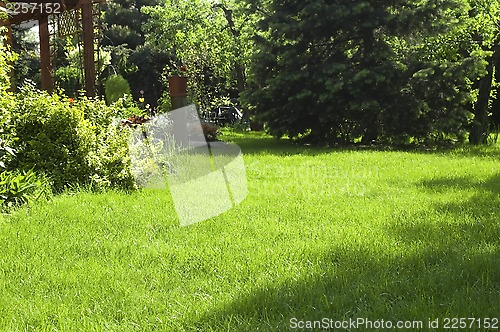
(6, 56)
(371, 71)
(69, 79)
(144, 73)
(71, 142)
(126, 107)
(108, 157)
(27, 63)
(18, 188)
(124, 22)
(211, 39)
(51, 137)
(116, 87)
(6, 153)
(124, 38)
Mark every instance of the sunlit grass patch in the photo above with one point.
(332, 233)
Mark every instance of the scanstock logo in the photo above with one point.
(204, 179)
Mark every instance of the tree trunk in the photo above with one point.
(240, 77)
(372, 129)
(239, 67)
(479, 131)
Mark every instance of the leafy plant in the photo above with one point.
(175, 70)
(5, 153)
(6, 57)
(18, 188)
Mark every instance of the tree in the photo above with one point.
(124, 20)
(343, 71)
(27, 64)
(211, 38)
(485, 31)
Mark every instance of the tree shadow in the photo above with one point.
(483, 205)
(356, 283)
(436, 270)
(257, 143)
(442, 185)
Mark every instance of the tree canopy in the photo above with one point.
(392, 71)
(342, 71)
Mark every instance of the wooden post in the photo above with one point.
(177, 87)
(43, 27)
(88, 47)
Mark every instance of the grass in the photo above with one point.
(336, 233)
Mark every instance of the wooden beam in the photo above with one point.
(88, 48)
(45, 53)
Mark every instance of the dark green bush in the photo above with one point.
(69, 79)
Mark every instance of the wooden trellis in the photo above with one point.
(72, 17)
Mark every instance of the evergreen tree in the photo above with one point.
(347, 70)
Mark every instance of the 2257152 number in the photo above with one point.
(469, 323)
(16, 8)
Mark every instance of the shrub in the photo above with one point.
(125, 107)
(109, 159)
(108, 156)
(115, 88)
(52, 137)
(72, 142)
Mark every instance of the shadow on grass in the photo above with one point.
(256, 143)
(484, 205)
(437, 270)
(356, 283)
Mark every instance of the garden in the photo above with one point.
(371, 161)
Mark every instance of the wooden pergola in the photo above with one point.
(42, 16)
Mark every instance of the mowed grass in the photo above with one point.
(335, 233)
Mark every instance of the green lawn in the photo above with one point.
(323, 233)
